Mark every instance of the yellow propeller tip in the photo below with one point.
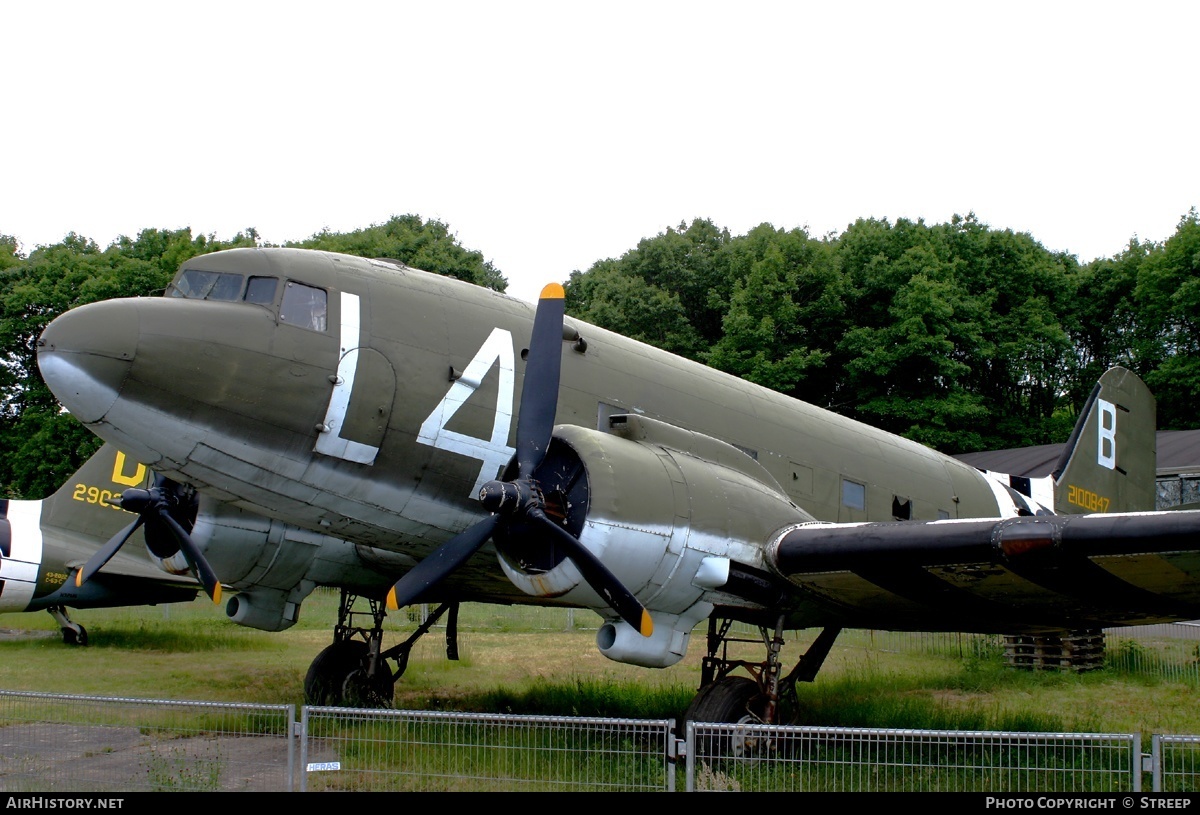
(647, 624)
(553, 291)
(216, 596)
(391, 601)
(78, 578)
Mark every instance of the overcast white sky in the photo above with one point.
(548, 135)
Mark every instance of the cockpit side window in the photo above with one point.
(304, 306)
(261, 290)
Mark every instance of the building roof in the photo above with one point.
(1178, 452)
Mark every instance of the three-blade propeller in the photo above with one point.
(521, 498)
(151, 505)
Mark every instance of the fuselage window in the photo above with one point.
(901, 508)
(854, 495)
(198, 285)
(261, 290)
(304, 306)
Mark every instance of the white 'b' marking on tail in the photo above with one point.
(1106, 441)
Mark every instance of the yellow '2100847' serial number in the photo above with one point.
(95, 495)
(1087, 499)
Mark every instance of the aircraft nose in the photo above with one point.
(86, 354)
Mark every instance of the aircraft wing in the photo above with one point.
(1013, 575)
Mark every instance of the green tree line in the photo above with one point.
(40, 446)
(957, 335)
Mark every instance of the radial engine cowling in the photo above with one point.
(665, 509)
(274, 566)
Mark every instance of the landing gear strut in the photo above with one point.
(761, 697)
(354, 671)
(72, 633)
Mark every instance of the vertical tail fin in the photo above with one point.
(1110, 461)
(81, 504)
(42, 541)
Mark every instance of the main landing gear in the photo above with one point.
(763, 697)
(354, 670)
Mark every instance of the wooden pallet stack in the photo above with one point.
(1070, 651)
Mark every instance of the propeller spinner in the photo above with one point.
(521, 498)
(154, 505)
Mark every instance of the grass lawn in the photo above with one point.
(544, 661)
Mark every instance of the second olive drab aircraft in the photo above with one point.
(42, 543)
(314, 419)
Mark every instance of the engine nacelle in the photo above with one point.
(274, 566)
(663, 508)
(266, 609)
(618, 640)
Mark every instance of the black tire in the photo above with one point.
(359, 690)
(338, 678)
(73, 637)
(731, 700)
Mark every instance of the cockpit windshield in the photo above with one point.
(197, 284)
(301, 304)
(200, 285)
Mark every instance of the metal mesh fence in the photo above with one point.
(100, 744)
(1170, 651)
(346, 749)
(759, 758)
(1176, 761)
(53, 743)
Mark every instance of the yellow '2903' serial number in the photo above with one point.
(1087, 499)
(95, 495)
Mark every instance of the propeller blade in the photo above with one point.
(521, 496)
(444, 560)
(150, 504)
(105, 553)
(598, 576)
(539, 403)
(204, 572)
(539, 393)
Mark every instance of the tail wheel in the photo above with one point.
(75, 636)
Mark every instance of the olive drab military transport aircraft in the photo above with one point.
(284, 419)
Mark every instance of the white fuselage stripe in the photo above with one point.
(1004, 501)
(19, 570)
(330, 441)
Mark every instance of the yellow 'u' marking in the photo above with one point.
(129, 480)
